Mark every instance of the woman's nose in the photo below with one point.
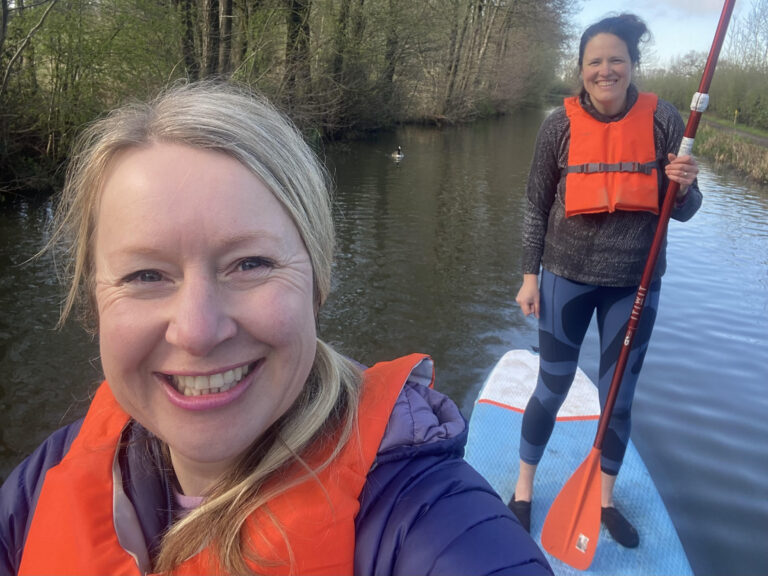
(199, 319)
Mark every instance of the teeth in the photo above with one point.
(202, 385)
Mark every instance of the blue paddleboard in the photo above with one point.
(492, 449)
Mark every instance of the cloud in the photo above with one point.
(690, 7)
(658, 9)
(677, 26)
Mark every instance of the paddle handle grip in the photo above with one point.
(698, 105)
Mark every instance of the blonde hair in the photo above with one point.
(234, 121)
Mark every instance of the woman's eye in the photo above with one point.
(247, 264)
(144, 276)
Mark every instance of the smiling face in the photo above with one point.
(204, 294)
(606, 71)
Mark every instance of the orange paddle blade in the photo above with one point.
(572, 527)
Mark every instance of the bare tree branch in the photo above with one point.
(23, 45)
(5, 14)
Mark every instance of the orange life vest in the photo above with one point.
(612, 165)
(73, 528)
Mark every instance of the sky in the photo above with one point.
(677, 26)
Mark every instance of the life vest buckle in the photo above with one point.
(590, 168)
(646, 168)
(596, 167)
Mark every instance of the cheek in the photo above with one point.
(126, 339)
(282, 318)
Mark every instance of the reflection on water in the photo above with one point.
(702, 407)
(429, 248)
(45, 374)
(428, 260)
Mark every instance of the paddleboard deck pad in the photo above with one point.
(492, 449)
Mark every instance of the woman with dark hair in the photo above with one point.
(601, 167)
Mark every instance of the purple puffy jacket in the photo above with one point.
(423, 509)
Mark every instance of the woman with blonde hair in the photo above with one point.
(197, 241)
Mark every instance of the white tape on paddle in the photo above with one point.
(686, 147)
(700, 102)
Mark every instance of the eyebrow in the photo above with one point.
(248, 237)
(226, 243)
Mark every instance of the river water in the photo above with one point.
(428, 261)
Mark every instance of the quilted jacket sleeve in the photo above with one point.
(435, 515)
(20, 491)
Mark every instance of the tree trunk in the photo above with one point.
(358, 24)
(225, 44)
(340, 48)
(210, 37)
(470, 63)
(297, 58)
(487, 30)
(3, 23)
(455, 61)
(390, 52)
(513, 12)
(187, 14)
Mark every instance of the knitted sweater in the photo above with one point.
(605, 249)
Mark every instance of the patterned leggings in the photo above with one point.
(565, 313)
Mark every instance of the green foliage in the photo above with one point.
(336, 66)
(734, 93)
(729, 149)
(739, 90)
(87, 57)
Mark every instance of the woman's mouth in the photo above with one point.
(210, 384)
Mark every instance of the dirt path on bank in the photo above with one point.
(759, 140)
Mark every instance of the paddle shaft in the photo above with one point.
(686, 148)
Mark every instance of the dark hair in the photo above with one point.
(630, 28)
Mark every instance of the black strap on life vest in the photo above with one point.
(595, 167)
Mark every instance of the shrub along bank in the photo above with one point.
(727, 148)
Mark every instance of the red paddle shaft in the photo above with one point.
(698, 105)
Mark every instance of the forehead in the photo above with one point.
(605, 42)
(172, 191)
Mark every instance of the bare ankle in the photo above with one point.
(523, 493)
(524, 485)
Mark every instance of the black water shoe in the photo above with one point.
(619, 528)
(522, 510)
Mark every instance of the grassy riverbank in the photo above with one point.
(726, 147)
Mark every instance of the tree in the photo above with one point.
(335, 65)
(187, 16)
(4, 15)
(17, 54)
(65, 62)
(225, 44)
(297, 55)
(210, 36)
